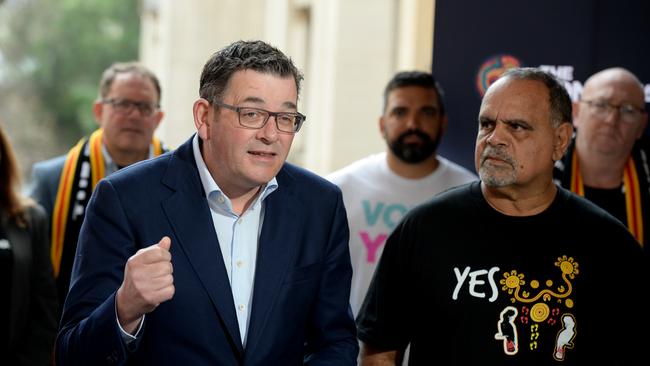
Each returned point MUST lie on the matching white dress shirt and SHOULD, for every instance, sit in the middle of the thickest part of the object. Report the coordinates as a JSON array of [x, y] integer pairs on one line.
[[238, 236]]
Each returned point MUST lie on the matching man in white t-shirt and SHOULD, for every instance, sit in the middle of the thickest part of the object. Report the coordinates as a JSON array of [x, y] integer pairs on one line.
[[379, 189]]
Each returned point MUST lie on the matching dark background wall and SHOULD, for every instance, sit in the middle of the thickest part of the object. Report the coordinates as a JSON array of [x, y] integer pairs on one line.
[[475, 40]]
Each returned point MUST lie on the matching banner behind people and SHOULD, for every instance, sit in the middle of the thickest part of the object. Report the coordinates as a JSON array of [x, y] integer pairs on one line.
[[476, 41]]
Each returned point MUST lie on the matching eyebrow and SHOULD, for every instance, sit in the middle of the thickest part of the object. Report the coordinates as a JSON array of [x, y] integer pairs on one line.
[[406, 105], [257, 100], [517, 121], [514, 121]]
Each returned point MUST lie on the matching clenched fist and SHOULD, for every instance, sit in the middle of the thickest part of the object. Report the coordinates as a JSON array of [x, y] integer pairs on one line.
[[148, 281]]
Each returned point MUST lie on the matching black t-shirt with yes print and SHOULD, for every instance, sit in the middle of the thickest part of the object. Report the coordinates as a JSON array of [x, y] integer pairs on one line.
[[467, 285]]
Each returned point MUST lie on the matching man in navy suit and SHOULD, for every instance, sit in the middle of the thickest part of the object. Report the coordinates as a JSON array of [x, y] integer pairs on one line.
[[219, 253]]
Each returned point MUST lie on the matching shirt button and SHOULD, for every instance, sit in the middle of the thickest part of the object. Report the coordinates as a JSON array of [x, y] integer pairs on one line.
[[239, 221], [239, 264], [241, 307], [220, 199]]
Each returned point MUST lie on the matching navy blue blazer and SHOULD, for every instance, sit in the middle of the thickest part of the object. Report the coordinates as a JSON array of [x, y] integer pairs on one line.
[[300, 310]]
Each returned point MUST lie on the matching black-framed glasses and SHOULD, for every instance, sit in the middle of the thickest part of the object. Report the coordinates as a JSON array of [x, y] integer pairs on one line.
[[602, 109], [125, 106], [256, 118]]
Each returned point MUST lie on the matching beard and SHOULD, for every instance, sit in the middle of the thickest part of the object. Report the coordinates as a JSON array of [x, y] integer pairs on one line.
[[411, 153], [497, 175]]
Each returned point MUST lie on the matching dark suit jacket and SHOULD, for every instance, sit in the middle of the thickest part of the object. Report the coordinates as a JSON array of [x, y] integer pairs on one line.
[[302, 280], [32, 325], [45, 182]]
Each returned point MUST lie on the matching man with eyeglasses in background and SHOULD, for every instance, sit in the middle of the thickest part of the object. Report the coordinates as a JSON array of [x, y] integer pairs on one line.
[[608, 160], [510, 270], [127, 111], [219, 253]]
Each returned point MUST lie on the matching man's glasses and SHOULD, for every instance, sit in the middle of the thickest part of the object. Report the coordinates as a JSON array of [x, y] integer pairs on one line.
[[256, 118], [125, 106], [602, 109]]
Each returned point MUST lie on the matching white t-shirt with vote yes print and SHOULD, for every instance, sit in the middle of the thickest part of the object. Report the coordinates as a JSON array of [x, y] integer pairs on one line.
[[376, 199]]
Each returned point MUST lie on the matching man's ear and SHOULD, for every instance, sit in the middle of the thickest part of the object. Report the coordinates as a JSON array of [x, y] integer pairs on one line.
[[98, 110], [575, 112], [382, 126], [444, 121], [561, 140], [643, 125], [202, 117], [159, 116]]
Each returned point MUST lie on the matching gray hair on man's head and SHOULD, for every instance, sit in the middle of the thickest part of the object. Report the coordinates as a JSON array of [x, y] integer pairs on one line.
[[126, 68], [559, 100]]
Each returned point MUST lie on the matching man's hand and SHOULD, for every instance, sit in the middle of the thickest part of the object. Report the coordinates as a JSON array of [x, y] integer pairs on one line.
[[148, 282], [374, 357]]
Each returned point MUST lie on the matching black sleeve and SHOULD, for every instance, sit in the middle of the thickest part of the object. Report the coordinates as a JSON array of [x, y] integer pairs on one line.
[[39, 189], [332, 337], [38, 348], [382, 322]]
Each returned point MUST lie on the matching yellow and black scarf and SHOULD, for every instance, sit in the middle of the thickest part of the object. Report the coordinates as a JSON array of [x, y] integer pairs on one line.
[[84, 167], [635, 185]]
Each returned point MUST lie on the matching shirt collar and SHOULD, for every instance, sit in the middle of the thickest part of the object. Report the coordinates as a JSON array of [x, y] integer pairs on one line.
[[109, 164], [208, 183]]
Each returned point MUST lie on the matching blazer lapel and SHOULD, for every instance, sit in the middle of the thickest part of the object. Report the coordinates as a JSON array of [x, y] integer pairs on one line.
[[276, 249], [190, 218]]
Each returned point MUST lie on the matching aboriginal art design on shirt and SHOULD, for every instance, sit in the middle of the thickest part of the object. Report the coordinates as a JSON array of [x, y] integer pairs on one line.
[[538, 306]]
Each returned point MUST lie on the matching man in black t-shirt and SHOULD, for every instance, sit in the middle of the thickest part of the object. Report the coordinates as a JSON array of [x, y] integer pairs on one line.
[[511, 270]]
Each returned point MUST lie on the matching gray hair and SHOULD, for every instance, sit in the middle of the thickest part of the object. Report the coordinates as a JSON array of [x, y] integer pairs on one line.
[[559, 99], [125, 68]]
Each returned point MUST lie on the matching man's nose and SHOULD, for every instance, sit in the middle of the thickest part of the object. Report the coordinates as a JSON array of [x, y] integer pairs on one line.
[[612, 115], [413, 122], [498, 136], [269, 132]]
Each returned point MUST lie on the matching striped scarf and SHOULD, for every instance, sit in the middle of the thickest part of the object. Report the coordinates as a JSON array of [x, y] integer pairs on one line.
[[84, 167]]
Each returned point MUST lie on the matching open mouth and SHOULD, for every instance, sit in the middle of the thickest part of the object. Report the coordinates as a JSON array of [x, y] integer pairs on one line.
[[262, 153]]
